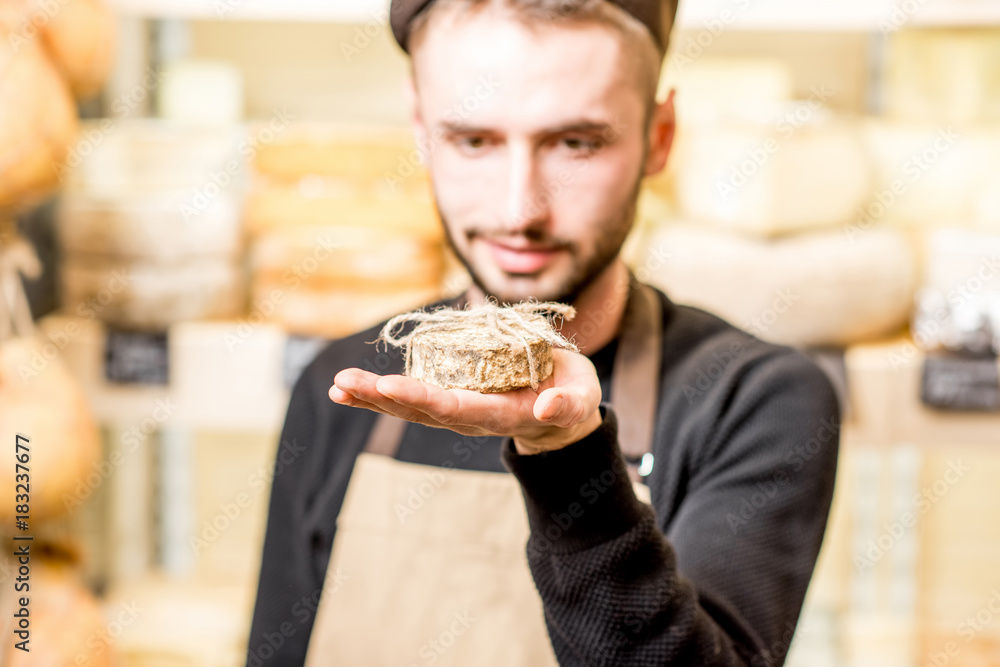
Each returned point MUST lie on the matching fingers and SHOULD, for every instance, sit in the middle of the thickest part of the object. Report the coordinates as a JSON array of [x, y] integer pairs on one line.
[[357, 383], [571, 395], [356, 388], [452, 408], [338, 395]]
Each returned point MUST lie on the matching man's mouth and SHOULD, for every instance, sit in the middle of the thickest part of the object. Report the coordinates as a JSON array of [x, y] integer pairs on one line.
[[520, 256]]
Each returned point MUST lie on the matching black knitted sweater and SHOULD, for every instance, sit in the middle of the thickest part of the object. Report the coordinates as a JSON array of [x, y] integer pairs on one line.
[[715, 573]]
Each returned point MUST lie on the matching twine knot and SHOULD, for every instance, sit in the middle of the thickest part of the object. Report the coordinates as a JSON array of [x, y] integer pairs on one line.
[[512, 325]]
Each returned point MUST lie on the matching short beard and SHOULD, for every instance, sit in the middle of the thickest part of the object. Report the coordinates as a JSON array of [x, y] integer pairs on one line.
[[606, 250]]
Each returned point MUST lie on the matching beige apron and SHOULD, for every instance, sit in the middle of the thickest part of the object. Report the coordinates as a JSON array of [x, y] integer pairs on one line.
[[428, 564]]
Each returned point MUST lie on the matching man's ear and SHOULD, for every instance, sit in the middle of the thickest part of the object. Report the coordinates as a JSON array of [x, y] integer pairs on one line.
[[661, 135]]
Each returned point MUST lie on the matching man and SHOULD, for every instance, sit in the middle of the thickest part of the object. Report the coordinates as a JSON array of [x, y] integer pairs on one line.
[[397, 537]]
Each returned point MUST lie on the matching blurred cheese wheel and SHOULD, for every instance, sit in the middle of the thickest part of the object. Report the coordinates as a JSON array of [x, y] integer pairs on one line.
[[364, 156], [338, 312], [810, 289], [339, 257], [150, 225], [935, 175], [37, 120], [184, 622], [81, 36], [313, 203], [145, 296], [941, 75], [136, 157], [41, 400], [68, 626], [804, 170]]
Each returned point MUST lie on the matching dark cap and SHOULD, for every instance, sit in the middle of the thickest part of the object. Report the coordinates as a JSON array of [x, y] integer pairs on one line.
[[648, 12]]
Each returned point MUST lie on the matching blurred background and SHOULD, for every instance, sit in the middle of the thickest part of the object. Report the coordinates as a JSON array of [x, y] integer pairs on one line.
[[197, 194]]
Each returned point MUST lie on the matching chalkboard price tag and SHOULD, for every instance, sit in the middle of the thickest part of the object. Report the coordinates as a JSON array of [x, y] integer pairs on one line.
[[133, 357]]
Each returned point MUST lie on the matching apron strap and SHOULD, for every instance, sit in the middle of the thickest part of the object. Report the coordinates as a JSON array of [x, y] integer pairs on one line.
[[386, 435], [635, 384]]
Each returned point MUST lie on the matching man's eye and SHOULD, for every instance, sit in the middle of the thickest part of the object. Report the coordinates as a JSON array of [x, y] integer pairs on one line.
[[473, 143], [578, 145]]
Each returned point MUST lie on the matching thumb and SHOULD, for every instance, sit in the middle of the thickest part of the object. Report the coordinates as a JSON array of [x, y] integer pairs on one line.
[[556, 406]]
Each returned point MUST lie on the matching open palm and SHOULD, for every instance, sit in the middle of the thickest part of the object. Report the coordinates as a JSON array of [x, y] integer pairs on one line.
[[562, 411]]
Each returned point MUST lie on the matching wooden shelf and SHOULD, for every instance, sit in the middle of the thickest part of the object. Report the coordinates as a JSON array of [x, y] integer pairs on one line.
[[745, 15]]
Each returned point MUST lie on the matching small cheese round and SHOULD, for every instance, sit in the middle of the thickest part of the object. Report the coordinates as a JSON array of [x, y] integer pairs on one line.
[[477, 359]]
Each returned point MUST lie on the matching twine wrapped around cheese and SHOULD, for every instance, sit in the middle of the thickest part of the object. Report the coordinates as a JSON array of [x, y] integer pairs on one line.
[[488, 348]]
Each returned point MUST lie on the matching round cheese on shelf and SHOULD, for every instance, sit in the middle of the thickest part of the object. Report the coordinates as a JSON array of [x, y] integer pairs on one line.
[[137, 294], [940, 75], [339, 257], [336, 313], [161, 227], [80, 35], [276, 207], [201, 91], [934, 175], [822, 288], [38, 118], [806, 169], [68, 625], [42, 401], [117, 158], [360, 155], [186, 622]]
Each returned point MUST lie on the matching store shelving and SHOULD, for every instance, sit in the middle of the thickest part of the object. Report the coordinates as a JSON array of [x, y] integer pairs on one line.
[[750, 15]]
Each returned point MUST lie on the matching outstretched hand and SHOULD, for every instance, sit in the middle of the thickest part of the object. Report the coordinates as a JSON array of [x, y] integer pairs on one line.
[[563, 411]]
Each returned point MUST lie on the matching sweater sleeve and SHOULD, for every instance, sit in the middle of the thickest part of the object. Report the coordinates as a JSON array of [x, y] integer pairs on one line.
[[719, 585]]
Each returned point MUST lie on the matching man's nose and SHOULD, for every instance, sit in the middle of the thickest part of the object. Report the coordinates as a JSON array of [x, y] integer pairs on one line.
[[528, 204]]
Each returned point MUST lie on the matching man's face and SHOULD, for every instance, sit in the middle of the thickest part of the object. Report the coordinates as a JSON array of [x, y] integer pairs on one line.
[[537, 148]]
